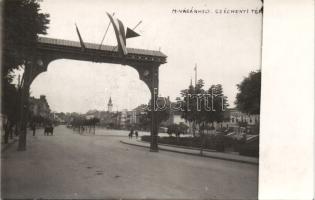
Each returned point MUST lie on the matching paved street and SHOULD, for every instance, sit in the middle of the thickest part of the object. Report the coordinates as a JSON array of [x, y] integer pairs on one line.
[[69, 165]]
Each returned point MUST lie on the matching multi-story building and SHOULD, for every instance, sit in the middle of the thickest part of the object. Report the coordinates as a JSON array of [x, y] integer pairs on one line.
[[136, 113], [123, 122], [238, 118], [39, 107]]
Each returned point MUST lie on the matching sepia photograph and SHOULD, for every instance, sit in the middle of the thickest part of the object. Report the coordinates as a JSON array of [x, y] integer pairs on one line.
[[130, 99]]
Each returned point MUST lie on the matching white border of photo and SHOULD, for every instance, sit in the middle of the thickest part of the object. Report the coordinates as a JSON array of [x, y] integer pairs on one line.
[[286, 168]]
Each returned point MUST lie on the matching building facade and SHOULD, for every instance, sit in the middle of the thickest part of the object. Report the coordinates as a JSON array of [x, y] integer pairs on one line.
[[39, 107], [238, 118]]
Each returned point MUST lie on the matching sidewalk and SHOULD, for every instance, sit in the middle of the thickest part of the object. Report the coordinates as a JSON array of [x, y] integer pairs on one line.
[[10, 142], [196, 152]]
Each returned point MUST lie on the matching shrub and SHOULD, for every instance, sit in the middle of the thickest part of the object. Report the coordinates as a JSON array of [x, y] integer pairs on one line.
[[215, 142]]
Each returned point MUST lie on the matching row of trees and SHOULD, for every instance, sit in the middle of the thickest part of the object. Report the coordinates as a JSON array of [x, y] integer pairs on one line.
[[203, 106], [81, 123], [198, 105], [177, 129], [22, 22]]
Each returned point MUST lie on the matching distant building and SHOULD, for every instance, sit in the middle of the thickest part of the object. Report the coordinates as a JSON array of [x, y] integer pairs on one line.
[[39, 107], [108, 119], [175, 118], [136, 113], [175, 115], [124, 118], [237, 118], [110, 105], [89, 116]]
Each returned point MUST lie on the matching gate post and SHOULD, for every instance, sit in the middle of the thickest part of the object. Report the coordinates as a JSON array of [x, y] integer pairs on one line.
[[154, 88], [149, 74]]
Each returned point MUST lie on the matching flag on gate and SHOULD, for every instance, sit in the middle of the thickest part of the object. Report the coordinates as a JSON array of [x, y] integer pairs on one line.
[[80, 38], [120, 34], [131, 33]]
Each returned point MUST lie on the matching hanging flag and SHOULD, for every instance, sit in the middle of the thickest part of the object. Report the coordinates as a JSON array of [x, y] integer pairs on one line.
[[131, 33], [120, 34], [122, 31], [80, 38]]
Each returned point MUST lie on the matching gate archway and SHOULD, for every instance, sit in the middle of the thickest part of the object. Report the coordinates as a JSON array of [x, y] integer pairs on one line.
[[146, 62]]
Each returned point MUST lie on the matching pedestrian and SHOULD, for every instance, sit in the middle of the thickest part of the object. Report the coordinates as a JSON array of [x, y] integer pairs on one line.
[[131, 134], [33, 128], [136, 133]]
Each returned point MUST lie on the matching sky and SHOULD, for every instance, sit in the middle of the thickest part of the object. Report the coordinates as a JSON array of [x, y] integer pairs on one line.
[[225, 47]]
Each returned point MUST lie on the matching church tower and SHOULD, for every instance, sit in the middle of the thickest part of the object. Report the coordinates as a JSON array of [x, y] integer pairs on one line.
[[110, 105]]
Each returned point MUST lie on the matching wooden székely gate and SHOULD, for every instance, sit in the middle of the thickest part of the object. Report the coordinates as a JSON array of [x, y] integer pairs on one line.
[[146, 62]]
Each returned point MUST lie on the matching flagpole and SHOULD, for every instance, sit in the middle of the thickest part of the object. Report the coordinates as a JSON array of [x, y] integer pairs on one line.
[[80, 38], [105, 33], [195, 75], [137, 25]]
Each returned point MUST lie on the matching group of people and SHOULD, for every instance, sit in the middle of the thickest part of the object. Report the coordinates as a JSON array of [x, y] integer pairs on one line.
[[48, 129], [133, 132]]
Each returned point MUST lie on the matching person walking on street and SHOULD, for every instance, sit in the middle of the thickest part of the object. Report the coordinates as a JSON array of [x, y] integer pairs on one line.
[[33, 128], [131, 134], [136, 133]]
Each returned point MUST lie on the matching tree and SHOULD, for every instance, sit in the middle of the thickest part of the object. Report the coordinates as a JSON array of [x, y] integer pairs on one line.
[[190, 103], [162, 110], [248, 98], [144, 120], [218, 103], [22, 22], [10, 97], [177, 129], [203, 106]]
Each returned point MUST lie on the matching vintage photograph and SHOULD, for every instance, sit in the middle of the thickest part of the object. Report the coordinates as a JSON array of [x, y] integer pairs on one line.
[[130, 99]]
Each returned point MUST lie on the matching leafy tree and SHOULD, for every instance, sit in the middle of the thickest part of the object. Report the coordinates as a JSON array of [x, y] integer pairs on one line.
[[191, 103], [182, 128], [218, 103], [171, 129], [10, 97], [248, 98], [177, 129], [144, 120], [164, 113], [22, 22], [162, 110], [203, 106]]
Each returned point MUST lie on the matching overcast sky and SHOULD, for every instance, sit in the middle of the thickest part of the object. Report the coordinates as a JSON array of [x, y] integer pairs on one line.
[[225, 47]]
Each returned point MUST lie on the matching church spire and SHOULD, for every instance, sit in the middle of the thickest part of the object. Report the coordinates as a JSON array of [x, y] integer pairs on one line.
[[191, 81], [110, 105]]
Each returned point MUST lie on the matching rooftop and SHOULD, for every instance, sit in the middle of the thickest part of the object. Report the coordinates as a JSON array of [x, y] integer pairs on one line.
[[69, 43]]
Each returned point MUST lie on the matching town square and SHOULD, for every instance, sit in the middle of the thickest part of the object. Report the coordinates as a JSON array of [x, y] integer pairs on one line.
[[114, 100]]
